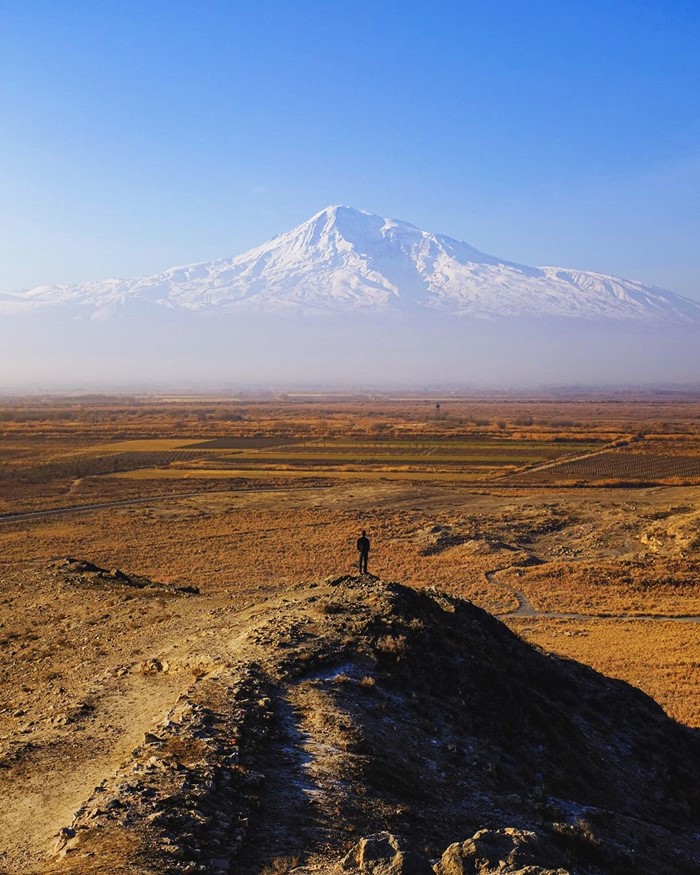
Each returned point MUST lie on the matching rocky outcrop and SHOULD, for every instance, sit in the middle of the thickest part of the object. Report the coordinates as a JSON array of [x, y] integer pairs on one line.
[[385, 854], [81, 572], [502, 852], [489, 852], [183, 795]]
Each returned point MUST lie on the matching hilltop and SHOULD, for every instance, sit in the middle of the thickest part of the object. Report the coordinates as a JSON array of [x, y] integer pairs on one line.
[[319, 717]]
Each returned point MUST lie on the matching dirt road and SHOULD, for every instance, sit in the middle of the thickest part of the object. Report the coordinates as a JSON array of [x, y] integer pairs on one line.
[[526, 608]]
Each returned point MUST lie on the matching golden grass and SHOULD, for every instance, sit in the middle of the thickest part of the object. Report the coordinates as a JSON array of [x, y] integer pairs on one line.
[[237, 546], [662, 658], [663, 586], [241, 546], [261, 526], [149, 445]]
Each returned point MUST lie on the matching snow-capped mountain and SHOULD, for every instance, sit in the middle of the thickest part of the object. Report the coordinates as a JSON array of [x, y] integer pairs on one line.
[[343, 259]]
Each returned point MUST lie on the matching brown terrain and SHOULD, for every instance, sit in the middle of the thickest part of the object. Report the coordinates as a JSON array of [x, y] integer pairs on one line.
[[195, 680]]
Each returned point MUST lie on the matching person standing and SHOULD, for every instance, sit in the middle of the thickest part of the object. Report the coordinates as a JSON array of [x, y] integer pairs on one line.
[[363, 550]]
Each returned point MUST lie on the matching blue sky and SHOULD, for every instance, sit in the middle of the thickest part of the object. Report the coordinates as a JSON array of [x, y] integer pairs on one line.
[[140, 135]]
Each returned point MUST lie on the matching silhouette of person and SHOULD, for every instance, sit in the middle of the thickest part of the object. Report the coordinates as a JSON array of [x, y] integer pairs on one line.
[[363, 549]]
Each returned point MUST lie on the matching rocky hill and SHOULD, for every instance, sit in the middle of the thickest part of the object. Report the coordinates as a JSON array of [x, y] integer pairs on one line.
[[357, 725]]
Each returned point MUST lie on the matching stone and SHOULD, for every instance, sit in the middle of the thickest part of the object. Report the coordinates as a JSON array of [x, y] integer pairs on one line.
[[385, 854], [151, 666], [65, 835], [501, 852], [174, 851]]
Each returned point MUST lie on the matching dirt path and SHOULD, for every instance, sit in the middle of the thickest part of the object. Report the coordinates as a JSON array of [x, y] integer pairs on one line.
[[59, 772], [84, 508], [524, 609], [527, 609], [125, 502]]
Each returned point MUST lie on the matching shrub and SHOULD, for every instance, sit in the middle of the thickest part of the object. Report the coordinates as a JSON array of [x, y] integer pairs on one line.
[[390, 644], [281, 865]]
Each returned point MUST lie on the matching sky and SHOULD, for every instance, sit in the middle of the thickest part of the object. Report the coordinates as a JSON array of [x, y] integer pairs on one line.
[[140, 135]]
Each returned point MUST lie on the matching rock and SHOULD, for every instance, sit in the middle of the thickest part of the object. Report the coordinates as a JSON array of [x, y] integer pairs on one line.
[[152, 666], [174, 851], [501, 852], [65, 835], [221, 864], [74, 564], [385, 854]]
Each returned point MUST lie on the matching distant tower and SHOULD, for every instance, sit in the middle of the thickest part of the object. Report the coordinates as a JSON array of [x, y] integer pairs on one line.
[[437, 410]]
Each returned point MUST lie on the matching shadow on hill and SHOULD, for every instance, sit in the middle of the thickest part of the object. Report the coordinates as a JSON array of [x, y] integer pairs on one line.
[[425, 716], [355, 707]]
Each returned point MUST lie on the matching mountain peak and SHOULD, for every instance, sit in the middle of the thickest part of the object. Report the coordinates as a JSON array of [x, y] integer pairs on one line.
[[334, 209], [353, 220], [344, 259]]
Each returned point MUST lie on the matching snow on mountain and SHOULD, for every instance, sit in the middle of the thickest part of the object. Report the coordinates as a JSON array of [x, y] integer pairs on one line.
[[343, 259]]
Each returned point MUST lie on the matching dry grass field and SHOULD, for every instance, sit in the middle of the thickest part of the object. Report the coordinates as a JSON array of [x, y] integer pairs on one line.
[[514, 504], [624, 650]]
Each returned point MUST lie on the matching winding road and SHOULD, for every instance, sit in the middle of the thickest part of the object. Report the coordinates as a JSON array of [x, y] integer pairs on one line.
[[527, 609]]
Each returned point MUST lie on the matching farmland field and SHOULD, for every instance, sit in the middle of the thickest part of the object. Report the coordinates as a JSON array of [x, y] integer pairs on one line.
[[462, 458], [622, 465], [576, 520]]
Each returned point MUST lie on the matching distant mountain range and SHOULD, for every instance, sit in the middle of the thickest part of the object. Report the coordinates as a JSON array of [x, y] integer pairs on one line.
[[343, 260]]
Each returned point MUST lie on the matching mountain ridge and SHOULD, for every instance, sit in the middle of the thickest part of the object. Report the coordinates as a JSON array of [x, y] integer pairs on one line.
[[343, 260]]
